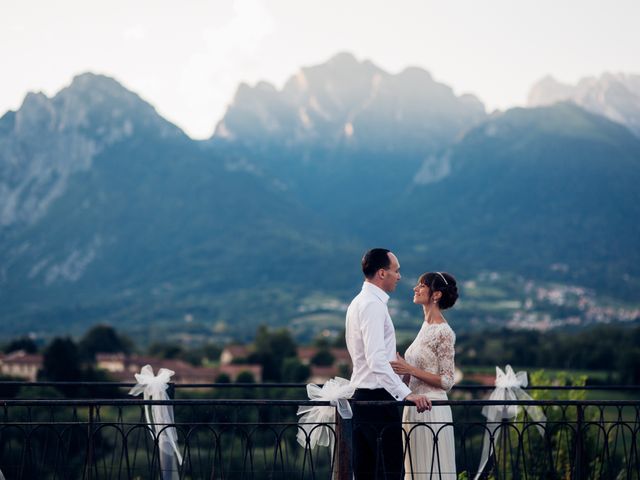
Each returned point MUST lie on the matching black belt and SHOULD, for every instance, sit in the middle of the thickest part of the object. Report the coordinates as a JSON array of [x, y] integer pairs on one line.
[[372, 394]]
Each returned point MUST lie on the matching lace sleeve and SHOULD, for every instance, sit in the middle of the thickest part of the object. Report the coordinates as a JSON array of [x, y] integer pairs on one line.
[[446, 352]]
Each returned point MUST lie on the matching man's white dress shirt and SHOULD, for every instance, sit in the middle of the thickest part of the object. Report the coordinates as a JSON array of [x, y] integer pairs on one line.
[[371, 341]]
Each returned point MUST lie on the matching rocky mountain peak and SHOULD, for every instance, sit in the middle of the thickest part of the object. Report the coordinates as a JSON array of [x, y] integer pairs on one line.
[[332, 100], [614, 96], [35, 114], [547, 91], [107, 105], [416, 74], [49, 139], [343, 60]]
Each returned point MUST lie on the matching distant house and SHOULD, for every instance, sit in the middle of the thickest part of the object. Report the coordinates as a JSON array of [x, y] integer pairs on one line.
[[234, 352], [305, 354], [123, 368], [341, 355], [342, 360], [20, 364], [111, 362]]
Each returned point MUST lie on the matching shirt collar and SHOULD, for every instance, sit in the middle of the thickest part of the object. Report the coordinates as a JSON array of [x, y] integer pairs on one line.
[[377, 291]]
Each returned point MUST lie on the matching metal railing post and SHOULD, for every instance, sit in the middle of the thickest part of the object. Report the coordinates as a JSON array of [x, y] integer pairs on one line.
[[344, 445], [579, 472], [89, 458], [506, 454], [166, 458]]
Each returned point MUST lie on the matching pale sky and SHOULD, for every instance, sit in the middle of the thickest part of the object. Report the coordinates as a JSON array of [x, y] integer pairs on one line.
[[187, 57]]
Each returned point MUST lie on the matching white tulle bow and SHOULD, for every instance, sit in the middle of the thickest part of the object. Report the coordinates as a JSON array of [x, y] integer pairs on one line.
[[315, 420], [509, 386], [160, 417]]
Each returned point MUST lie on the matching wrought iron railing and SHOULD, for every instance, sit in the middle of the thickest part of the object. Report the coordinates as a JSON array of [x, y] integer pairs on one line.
[[256, 438]]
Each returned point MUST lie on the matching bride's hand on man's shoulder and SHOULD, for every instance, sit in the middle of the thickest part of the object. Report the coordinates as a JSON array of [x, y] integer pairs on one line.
[[400, 365]]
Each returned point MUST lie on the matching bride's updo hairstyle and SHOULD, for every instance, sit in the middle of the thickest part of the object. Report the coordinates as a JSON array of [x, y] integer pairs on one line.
[[441, 282]]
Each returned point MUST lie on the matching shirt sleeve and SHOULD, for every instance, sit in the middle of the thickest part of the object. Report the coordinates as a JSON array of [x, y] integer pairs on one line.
[[373, 317], [445, 353]]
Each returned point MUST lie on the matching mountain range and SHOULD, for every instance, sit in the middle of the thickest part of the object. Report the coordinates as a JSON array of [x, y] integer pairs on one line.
[[615, 96], [108, 212]]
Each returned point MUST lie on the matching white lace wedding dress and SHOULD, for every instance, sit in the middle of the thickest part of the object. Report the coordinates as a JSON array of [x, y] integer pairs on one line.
[[432, 351]]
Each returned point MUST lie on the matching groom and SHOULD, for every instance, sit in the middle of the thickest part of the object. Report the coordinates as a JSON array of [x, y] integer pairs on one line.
[[371, 343]]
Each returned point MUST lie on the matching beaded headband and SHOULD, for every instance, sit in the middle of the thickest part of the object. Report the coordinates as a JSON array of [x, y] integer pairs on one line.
[[445, 280]]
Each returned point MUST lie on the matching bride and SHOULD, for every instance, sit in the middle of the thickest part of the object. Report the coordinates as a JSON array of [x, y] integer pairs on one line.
[[428, 370]]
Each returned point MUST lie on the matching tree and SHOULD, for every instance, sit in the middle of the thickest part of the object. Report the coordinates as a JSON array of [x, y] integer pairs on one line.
[[272, 348], [321, 342], [294, 371], [23, 343], [323, 358], [245, 377], [8, 391], [103, 339], [165, 350], [629, 366], [61, 361], [211, 352]]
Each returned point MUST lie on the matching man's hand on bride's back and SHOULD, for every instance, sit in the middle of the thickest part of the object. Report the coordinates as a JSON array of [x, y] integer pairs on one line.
[[422, 402]]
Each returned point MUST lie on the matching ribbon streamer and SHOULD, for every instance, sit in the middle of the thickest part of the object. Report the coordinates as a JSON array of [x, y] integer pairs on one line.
[[509, 386], [159, 417], [314, 420]]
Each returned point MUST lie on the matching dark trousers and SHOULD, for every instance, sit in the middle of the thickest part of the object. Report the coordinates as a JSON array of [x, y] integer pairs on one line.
[[377, 438]]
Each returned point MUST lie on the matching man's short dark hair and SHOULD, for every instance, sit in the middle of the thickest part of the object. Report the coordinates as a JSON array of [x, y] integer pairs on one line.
[[374, 260]]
